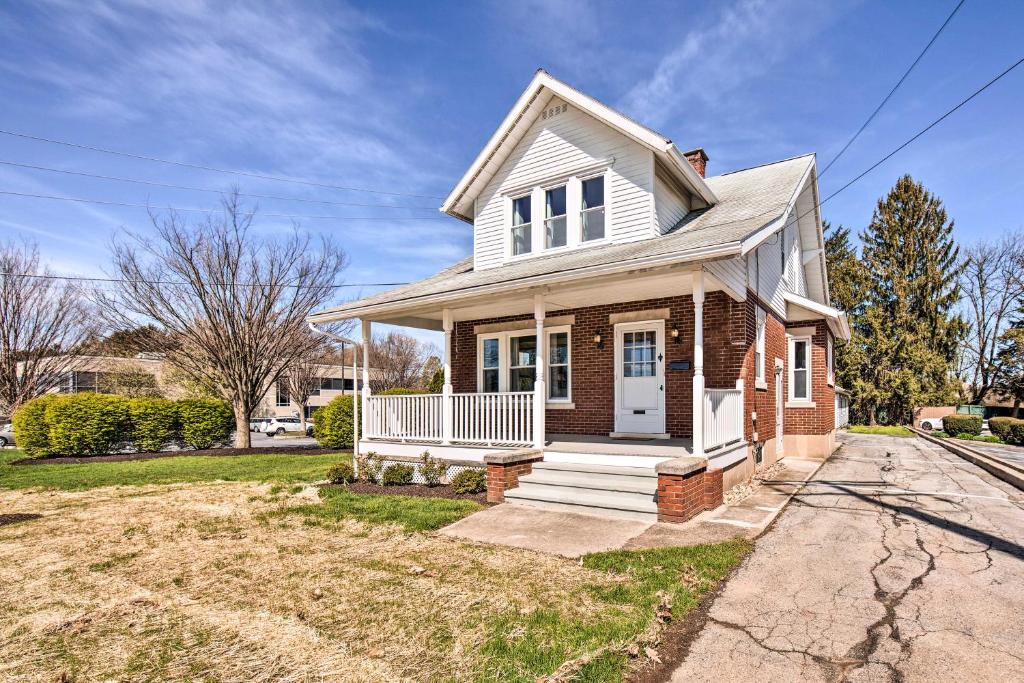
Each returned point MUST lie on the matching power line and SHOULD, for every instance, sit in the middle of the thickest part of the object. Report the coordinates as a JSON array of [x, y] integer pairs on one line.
[[174, 208], [214, 169], [206, 189], [83, 278], [894, 88]]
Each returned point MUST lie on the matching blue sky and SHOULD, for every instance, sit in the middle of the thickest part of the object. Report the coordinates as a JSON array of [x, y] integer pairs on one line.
[[401, 96]]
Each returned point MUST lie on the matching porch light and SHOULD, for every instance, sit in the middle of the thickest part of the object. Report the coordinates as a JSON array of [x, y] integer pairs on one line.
[[675, 334], [597, 340]]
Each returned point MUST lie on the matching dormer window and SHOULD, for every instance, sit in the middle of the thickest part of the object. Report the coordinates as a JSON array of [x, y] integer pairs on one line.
[[592, 211], [522, 232], [554, 224]]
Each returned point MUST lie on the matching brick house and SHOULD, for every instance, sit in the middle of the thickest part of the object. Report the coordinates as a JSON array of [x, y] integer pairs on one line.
[[629, 336]]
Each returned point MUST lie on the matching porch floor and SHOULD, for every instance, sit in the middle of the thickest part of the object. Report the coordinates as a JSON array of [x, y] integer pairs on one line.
[[606, 445]]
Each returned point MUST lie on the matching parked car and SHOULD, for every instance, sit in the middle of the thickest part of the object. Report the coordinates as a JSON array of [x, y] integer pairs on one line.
[[932, 423], [277, 426], [6, 435], [258, 424]]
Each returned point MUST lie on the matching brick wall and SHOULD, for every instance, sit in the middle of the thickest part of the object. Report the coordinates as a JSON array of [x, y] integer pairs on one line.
[[728, 334], [758, 399], [821, 418]]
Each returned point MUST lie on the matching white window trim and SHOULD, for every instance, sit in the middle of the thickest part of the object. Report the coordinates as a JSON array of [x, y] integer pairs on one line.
[[509, 225], [791, 399], [760, 332], [565, 215], [830, 359], [606, 206], [504, 366]]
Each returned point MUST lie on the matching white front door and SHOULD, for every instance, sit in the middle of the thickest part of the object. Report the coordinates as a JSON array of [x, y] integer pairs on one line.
[[640, 377]]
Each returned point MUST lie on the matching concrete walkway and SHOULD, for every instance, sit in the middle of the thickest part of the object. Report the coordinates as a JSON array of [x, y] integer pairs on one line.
[[899, 561], [573, 535], [1011, 455]]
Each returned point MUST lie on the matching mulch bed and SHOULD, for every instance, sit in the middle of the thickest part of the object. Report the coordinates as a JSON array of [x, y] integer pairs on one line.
[[15, 517], [421, 490], [125, 457]]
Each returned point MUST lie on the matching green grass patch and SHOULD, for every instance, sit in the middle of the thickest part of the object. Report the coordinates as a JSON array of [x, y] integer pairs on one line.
[[529, 647], [112, 562], [880, 430], [412, 512], [280, 468]]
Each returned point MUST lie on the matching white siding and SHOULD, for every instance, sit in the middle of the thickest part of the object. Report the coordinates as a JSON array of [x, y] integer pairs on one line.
[[764, 272], [796, 280], [731, 273], [557, 146], [670, 208]]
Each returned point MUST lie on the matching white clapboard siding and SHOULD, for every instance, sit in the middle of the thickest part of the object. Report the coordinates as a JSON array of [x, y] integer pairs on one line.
[[730, 272], [560, 145], [670, 208], [769, 283]]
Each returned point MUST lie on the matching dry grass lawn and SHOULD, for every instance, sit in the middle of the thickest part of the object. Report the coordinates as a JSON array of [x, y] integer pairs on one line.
[[199, 582]]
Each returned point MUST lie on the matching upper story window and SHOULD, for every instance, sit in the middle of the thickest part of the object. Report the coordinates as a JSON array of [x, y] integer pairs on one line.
[[592, 210], [554, 224], [522, 232]]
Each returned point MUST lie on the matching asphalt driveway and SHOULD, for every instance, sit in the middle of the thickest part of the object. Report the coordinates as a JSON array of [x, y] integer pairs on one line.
[[897, 562]]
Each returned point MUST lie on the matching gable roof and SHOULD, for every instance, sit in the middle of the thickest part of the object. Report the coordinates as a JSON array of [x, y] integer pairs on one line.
[[527, 108], [752, 204]]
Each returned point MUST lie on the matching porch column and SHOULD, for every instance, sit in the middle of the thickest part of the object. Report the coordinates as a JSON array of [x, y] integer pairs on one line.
[[367, 338], [446, 393], [540, 392], [698, 363]]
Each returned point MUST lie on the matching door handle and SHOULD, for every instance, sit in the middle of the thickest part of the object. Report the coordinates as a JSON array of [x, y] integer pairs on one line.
[[661, 388], [659, 357]]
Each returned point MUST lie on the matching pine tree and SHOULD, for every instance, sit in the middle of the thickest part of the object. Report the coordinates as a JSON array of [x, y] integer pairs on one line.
[[911, 332], [847, 280], [1011, 358]]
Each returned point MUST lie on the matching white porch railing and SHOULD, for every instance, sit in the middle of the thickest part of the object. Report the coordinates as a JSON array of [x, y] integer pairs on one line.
[[416, 417], [489, 419], [723, 417]]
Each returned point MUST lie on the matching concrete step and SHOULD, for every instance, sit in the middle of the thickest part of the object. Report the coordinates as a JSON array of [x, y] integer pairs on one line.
[[591, 480], [530, 489], [586, 501], [646, 472]]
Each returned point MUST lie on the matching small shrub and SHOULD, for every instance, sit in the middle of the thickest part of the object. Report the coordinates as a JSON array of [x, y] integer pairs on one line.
[[154, 423], [1017, 433], [469, 481], [31, 432], [432, 469], [1002, 427], [370, 467], [397, 475], [205, 422], [965, 436], [332, 424], [88, 424], [988, 438], [961, 424], [342, 473]]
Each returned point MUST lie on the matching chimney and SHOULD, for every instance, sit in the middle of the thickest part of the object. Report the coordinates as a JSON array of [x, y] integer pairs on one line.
[[698, 159]]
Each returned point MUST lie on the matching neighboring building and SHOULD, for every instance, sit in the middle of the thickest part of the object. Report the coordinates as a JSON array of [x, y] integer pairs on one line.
[[102, 373], [620, 309]]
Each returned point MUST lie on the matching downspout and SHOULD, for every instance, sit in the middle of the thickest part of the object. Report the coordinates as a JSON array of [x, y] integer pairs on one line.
[[355, 383]]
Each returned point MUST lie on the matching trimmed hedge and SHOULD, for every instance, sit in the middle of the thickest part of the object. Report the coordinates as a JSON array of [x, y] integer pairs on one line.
[[402, 391], [154, 423], [205, 422], [962, 424], [397, 475], [1017, 433], [1005, 428], [342, 473], [332, 424], [88, 424], [469, 481], [31, 432]]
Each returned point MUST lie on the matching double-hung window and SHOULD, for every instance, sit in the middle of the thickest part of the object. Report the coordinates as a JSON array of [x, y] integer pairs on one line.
[[508, 362], [283, 399], [800, 369], [522, 232], [554, 222], [759, 346], [592, 209]]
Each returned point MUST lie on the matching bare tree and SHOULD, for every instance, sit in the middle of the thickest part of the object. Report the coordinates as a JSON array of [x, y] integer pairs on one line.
[[44, 323], [233, 304], [302, 379], [992, 286], [399, 361]]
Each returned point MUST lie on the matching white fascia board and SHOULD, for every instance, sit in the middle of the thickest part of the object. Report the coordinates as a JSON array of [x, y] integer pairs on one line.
[[418, 302], [837, 319], [753, 241]]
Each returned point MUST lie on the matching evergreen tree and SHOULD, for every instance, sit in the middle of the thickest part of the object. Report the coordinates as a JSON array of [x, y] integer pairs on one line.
[[1011, 358], [911, 333], [847, 280]]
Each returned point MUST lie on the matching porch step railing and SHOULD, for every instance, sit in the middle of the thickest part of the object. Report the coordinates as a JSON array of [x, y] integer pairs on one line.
[[491, 419], [416, 417], [723, 417]]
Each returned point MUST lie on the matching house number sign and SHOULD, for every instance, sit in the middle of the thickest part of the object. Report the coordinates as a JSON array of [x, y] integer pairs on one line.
[[554, 111]]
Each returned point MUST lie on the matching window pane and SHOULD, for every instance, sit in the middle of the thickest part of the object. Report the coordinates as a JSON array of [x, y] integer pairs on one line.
[[555, 202], [560, 382], [521, 379], [799, 384], [491, 353], [593, 224], [521, 210], [554, 232], [559, 348], [522, 239], [800, 355], [593, 192], [490, 381], [523, 351]]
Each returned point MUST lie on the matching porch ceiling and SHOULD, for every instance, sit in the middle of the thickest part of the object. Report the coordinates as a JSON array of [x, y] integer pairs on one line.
[[633, 286]]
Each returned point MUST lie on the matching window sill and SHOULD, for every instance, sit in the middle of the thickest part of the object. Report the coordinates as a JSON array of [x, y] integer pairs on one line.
[[801, 404], [559, 405], [761, 385]]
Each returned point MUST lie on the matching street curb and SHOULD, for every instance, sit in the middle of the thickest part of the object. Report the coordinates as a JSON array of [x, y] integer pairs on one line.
[[997, 469]]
